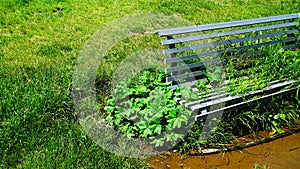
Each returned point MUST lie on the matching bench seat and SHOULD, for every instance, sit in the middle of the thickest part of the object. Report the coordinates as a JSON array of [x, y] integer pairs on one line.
[[192, 49]]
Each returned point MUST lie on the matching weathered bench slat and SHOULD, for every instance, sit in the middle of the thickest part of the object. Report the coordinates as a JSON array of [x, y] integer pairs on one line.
[[229, 41], [221, 34], [199, 28], [247, 103]]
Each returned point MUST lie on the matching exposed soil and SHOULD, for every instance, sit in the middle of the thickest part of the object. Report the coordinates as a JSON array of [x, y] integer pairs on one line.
[[282, 153]]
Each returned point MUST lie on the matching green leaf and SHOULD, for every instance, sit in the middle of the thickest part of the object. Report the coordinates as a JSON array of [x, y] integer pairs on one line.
[[194, 96], [214, 77], [174, 136], [110, 102], [184, 117], [141, 125], [109, 109], [177, 123], [171, 121], [185, 92], [201, 84], [158, 142], [280, 116], [172, 114], [156, 120], [118, 119], [218, 70], [158, 129], [170, 136], [147, 132]]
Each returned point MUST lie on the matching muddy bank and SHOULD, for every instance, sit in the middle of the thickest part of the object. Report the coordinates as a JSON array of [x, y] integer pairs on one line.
[[281, 153]]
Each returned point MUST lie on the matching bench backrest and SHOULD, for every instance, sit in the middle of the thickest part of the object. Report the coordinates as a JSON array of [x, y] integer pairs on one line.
[[191, 48]]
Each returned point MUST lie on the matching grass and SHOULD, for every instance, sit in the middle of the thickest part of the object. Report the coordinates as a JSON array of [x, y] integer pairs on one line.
[[258, 166], [39, 44]]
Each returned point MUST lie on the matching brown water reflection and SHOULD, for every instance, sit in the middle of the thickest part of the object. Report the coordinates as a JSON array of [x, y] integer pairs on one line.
[[282, 153]]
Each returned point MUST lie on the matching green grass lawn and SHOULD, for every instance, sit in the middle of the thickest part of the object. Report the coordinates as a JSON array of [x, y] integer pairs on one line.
[[39, 44]]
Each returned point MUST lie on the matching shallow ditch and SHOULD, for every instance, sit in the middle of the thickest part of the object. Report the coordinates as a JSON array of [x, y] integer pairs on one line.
[[282, 152]]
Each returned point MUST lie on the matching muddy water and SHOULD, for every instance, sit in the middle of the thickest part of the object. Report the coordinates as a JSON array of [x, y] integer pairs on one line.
[[282, 153]]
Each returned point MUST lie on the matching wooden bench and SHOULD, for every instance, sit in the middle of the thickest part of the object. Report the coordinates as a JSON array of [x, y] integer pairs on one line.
[[192, 48]]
